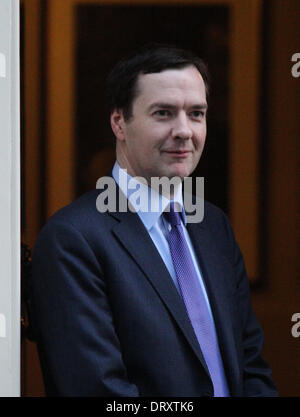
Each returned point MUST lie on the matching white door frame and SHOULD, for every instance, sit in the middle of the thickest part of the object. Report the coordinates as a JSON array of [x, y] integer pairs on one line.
[[9, 199]]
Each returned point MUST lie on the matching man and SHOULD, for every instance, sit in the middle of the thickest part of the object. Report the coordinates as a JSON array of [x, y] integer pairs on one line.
[[142, 303]]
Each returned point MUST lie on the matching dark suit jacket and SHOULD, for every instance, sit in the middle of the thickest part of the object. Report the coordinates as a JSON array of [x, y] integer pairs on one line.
[[110, 322]]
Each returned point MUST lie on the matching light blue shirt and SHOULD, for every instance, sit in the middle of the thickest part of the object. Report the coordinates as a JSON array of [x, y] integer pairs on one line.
[[156, 224]]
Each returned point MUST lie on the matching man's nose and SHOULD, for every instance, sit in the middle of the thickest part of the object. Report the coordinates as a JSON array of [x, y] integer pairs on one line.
[[181, 128]]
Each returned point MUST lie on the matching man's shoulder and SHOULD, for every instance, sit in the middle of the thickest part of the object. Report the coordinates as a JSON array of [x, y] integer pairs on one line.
[[82, 213], [82, 204], [213, 213], [217, 222]]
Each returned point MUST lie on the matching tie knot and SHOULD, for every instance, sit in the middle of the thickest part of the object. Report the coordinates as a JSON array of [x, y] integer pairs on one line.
[[172, 216]]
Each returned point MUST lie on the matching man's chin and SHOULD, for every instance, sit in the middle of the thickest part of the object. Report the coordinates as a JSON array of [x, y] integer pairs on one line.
[[171, 172], [181, 172]]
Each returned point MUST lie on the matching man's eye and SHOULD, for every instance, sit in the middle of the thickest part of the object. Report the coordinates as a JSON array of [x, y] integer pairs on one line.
[[198, 114], [162, 113]]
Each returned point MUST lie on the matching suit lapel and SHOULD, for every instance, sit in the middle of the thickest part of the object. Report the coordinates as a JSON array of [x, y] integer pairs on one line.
[[135, 239], [217, 273]]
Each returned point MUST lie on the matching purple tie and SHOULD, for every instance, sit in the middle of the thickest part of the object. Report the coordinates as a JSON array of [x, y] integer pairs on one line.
[[195, 302]]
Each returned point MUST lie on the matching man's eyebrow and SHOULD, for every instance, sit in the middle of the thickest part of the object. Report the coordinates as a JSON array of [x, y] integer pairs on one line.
[[201, 106], [166, 105], [162, 104]]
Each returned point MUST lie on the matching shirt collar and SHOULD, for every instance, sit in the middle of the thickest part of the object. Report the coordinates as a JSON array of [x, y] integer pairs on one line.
[[150, 204]]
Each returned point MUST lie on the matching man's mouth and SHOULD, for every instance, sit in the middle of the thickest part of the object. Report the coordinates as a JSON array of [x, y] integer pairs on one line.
[[180, 153]]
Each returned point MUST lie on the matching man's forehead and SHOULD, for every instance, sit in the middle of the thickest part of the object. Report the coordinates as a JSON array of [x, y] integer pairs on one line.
[[186, 79]]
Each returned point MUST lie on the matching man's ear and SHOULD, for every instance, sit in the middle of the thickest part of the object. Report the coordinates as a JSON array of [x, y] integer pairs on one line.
[[117, 122]]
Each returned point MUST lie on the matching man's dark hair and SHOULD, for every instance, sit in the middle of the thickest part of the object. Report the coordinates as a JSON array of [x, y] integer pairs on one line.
[[152, 58]]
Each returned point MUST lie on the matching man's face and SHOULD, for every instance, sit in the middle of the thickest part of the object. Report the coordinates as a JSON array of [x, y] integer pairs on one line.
[[166, 134]]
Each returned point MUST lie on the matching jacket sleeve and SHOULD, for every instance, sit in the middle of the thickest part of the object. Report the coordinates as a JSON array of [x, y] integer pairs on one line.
[[78, 347], [257, 376]]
